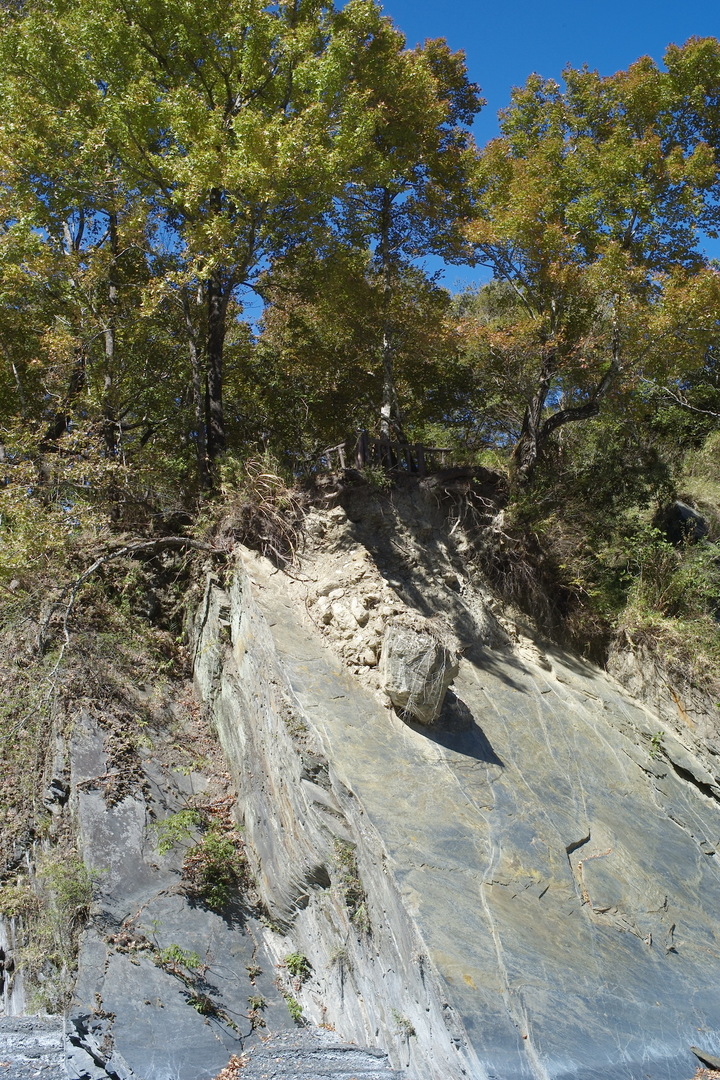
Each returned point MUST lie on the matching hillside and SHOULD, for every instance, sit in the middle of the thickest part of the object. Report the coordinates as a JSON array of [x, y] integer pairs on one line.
[[526, 886]]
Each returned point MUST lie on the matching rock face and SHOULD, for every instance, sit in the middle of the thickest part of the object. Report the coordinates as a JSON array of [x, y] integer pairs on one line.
[[314, 1055], [12, 996], [416, 670], [681, 523], [139, 1017], [32, 1047], [527, 888], [320, 860]]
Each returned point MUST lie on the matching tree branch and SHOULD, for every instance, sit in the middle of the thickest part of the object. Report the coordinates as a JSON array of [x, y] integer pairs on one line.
[[681, 401], [137, 547]]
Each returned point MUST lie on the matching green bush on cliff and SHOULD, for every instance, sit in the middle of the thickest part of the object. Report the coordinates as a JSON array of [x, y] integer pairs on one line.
[[63, 888], [215, 870]]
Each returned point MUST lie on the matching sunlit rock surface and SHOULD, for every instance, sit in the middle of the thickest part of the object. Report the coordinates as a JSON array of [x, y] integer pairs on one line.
[[416, 670], [539, 867]]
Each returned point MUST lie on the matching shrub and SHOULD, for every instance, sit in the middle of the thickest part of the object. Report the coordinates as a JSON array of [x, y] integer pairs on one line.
[[351, 885], [177, 961], [64, 888], [294, 1008], [215, 870], [175, 829], [298, 965]]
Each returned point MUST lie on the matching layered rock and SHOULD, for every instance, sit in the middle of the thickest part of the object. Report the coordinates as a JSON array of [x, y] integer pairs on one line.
[[526, 888]]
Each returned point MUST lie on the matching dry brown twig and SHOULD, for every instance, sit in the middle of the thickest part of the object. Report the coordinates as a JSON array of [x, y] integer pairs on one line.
[[265, 514], [233, 1067], [145, 547]]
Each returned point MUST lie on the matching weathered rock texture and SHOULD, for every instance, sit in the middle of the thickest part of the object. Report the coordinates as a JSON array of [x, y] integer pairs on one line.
[[416, 670], [139, 1012], [137, 1016], [12, 991], [527, 888], [314, 1055], [32, 1047]]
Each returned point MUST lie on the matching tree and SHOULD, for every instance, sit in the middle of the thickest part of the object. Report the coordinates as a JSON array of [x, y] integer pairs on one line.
[[232, 125], [410, 195], [588, 208], [315, 366]]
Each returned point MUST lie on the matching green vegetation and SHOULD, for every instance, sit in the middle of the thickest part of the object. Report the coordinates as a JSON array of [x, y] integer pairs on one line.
[[351, 885], [294, 1008], [163, 161], [186, 966], [177, 960], [656, 744], [54, 909], [176, 829], [298, 965], [215, 870], [403, 1026]]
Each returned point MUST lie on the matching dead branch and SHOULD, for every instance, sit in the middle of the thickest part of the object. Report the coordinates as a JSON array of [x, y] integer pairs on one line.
[[136, 547], [681, 400]]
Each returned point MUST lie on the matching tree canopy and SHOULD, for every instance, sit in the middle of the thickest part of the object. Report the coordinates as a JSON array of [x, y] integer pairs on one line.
[[168, 170], [216, 222], [590, 208]]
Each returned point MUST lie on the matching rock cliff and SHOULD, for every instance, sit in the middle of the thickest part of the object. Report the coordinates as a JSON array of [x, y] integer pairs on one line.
[[525, 887]]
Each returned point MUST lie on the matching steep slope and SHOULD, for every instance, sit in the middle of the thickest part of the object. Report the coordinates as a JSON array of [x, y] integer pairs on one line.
[[527, 888]]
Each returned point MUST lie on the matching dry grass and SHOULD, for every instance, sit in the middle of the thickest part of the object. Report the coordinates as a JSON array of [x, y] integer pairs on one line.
[[261, 511], [233, 1069]]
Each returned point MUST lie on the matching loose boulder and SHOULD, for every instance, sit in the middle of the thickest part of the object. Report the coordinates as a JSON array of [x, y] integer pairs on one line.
[[416, 670], [681, 523]]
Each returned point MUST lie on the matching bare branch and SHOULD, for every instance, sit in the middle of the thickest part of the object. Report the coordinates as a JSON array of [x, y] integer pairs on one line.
[[680, 400], [137, 547]]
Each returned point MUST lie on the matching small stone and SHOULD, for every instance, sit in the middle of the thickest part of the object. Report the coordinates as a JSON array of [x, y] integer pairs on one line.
[[368, 658], [323, 610], [388, 610], [359, 611], [336, 594], [343, 618]]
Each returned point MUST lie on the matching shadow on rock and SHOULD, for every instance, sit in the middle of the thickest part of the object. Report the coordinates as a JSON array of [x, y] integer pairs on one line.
[[456, 730], [497, 662], [234, 912]]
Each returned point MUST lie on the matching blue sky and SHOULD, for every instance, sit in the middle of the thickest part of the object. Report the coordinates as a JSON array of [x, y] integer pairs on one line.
[[508, 39]]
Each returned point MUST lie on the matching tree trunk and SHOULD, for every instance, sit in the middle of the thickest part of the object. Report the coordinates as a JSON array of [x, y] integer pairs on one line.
[[61, 421], [60, 424], [217, 302], [536, 431], [529, 445], [109, 419], [389, 411], [200, 433]]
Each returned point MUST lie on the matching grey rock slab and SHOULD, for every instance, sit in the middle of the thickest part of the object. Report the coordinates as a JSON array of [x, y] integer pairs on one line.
[[306, 1055], [160, 1035], [32, 1047], [547, 880], [138, 1019]]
